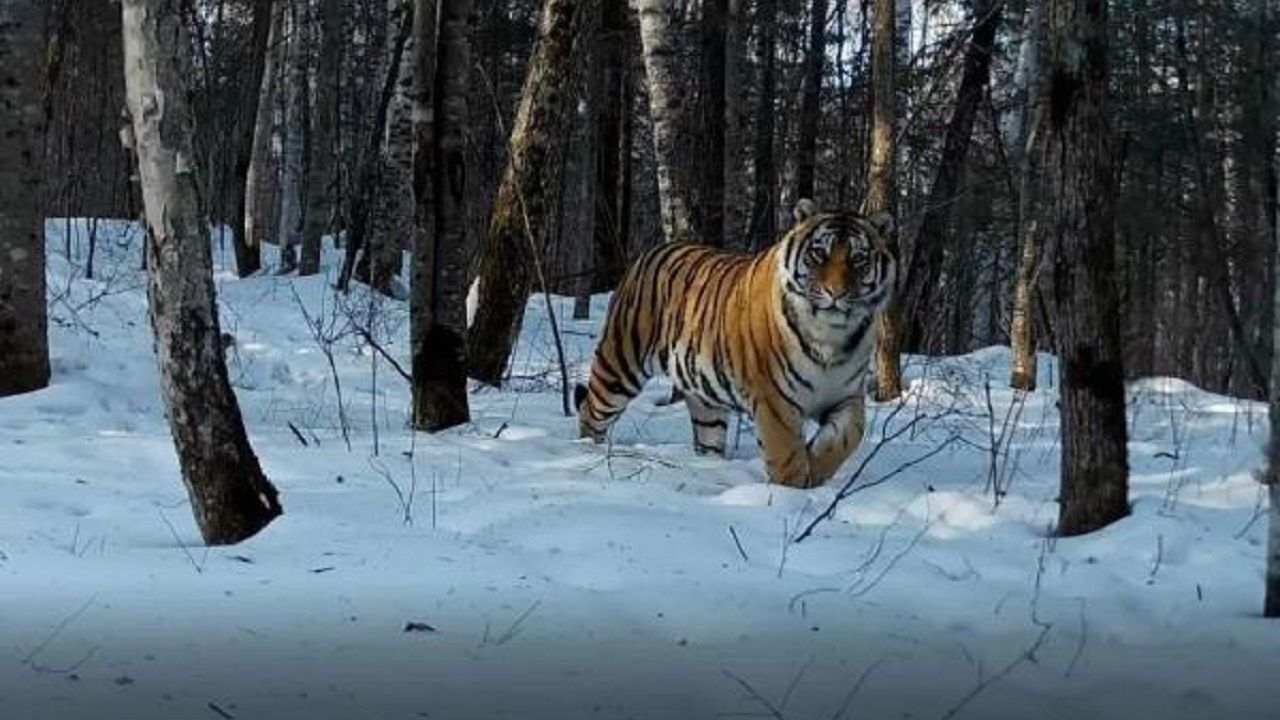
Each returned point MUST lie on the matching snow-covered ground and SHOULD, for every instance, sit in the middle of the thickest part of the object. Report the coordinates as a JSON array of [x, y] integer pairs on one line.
[[507, 570]]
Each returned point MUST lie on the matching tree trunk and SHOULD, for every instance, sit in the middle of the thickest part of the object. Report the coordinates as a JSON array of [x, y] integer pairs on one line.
[[714, 26], [1028, 126], [293, 146], [1271, 602], [925, 268], [882, 191], [392, 212], [666, 104], [1078, 196], [736, 190], [247, 247], [438, 319], [257, 213], [763, 210], [511, 255], [811, 104], [24, 343], [322, 176], [231, 498], [611, 207]]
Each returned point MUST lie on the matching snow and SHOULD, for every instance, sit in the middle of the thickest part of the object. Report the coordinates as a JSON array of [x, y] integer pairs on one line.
[[553, 578]]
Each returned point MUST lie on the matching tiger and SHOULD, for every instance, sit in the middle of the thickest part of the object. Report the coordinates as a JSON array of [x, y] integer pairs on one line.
[[786, 335]]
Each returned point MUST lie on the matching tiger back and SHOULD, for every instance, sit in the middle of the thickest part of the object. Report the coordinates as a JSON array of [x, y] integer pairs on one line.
[[785, 335]]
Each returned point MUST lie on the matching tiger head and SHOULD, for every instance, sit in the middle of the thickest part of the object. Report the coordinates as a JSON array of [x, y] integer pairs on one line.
[[839, 262]]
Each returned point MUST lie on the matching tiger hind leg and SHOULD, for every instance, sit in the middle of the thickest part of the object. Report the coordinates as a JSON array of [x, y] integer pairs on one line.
[[710, 426], [601, 401]]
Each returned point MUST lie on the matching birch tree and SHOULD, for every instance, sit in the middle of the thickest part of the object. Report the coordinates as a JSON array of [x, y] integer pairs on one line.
[[438, 317], [882, 190], [511, 253], [1078, 195], [230, 496], [1025, 132], [245, 243], [24, 344], [256, 213], [658, 40]]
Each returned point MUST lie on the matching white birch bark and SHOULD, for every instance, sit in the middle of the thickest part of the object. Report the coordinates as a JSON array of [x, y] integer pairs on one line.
[[666, 103]]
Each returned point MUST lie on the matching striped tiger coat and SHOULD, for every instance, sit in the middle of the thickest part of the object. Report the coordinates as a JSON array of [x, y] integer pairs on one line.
[[785, 335]]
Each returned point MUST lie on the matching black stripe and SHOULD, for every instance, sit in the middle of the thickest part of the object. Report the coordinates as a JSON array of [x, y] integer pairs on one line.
[[721, 424]]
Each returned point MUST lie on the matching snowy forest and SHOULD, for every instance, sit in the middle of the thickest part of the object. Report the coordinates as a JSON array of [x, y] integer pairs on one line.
[[639, 359]]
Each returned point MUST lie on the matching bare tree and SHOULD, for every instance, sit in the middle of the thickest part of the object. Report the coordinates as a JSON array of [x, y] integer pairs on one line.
[[715, 19], [230, 496], [1078, 198], [658, 40], [438, 307], [612, 207], [1027, 124], [764, 167], [882, 190], [24, 343], [811, 106], [257, 213], [322, 176], [1271, 602], [511, 253], [293, 144]]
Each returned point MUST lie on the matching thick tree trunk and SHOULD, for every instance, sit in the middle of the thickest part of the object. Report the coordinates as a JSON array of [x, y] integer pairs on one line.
[[438, 320], [666, 104], [247, 247], [24, 343], [810, 105], [258, 213], [925, 268], [714, 26], [322, 175], [293, 146], [882, 191], [1026, 132], [611, 207], [1078, 197], [511, 255], [231, 498], [763, 210]]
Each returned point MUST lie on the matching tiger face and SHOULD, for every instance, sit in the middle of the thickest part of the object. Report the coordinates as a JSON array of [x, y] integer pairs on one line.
[[839, 263]]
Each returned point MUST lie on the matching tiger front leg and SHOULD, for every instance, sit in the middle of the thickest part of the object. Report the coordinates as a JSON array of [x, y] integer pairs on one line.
[[710, 426], [837, 438], [786, 457]]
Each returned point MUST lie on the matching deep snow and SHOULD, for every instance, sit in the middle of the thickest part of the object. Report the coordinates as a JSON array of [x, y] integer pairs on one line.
[[556, 579]]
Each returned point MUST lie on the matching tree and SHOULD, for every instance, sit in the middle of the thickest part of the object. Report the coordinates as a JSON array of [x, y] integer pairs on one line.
[[230, 496], [715, 19], [811, 106], [255, 210], [1027, 123], [666, 104], [882, 190], [293, 145], [1078, 198], [764, 167], [247, 246], [322, 176], [925, 267], [1271, 601], [24, 343], [612, 207], [511, 253], [438, 306]]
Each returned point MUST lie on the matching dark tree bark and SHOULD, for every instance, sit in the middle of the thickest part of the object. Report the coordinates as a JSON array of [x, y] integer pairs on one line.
[[24, 343], [1078, 197], [249, 254], [613, 148], [763, 210], [925, 268], [230, 496], [512, 249], [810, 106], [882, 191], [438, 319], [714, 28], [322, 176]]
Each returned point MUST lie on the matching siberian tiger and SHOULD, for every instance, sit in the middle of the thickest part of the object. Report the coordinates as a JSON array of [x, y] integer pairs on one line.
[[785, 335]]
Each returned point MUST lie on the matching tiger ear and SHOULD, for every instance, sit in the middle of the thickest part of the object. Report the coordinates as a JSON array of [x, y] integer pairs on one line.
[[804, 209], [883, 223]]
